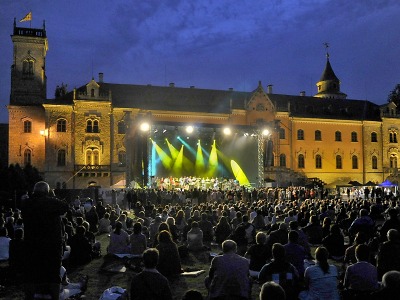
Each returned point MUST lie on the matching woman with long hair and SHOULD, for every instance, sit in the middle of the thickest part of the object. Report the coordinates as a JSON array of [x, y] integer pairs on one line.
[[321, 280], [222, 230], [169, 262]]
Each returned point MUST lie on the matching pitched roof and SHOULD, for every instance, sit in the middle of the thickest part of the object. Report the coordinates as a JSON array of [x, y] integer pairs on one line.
[[178, 99], [174, 98]]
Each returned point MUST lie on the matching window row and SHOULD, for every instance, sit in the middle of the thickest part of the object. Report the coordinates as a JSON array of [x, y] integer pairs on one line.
[[301, 164], [338, 136], [92, 126], [92, 157]]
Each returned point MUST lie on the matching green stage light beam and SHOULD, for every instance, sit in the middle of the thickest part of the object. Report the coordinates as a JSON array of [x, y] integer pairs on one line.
[[188, 147]]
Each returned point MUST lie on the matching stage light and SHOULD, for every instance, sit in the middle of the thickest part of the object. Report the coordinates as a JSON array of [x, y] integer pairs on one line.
[[265, 132], [164, 131], [189, 129], [144, 126], [246, 134], [227, 131], [156, 130]]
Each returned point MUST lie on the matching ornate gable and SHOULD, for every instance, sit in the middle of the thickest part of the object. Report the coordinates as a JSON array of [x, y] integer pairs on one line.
[[260, 107]]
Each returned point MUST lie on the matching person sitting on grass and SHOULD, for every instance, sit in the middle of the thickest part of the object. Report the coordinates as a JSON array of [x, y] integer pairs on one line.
[[105, 224], [150, 284], [169, 263], [195, 238], [119, 240], [81, 249], [272, 291]]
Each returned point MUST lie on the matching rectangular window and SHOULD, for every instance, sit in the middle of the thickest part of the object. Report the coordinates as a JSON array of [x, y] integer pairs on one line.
[[27, 126]]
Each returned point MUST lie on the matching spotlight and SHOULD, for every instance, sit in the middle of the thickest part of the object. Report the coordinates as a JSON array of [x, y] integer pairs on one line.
[[145, 126], [164, 130], [189, 129], [265, 132], [227, 131], [156, 130], [246, 134]]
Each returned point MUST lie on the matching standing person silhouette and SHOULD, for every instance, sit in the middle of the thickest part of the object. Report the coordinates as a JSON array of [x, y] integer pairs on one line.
[[43, 241]]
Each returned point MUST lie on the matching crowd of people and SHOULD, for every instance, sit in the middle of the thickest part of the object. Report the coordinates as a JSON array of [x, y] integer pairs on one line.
[[294, 243]]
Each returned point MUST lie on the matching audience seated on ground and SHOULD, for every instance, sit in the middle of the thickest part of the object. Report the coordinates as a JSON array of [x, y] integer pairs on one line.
[[4, 244], [281, 271], [195, 238], [150, 284], [390, 287], [360, 278], [169, 262], [119, 240], [321, 280], [272, 291], [258, 254]]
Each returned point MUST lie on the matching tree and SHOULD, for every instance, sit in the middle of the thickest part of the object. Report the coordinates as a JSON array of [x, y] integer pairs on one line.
[[394, 95]]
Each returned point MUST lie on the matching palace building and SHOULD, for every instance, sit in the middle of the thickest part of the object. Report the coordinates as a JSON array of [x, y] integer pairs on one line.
[[103, 133]]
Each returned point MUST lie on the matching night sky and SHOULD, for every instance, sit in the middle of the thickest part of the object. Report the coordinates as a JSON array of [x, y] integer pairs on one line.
[[213, 44]]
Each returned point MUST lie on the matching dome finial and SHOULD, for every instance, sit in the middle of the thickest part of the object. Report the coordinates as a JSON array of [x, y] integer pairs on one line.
[[326, 47]]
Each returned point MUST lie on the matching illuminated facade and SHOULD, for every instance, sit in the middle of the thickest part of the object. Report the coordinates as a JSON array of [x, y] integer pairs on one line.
[[91, 136]]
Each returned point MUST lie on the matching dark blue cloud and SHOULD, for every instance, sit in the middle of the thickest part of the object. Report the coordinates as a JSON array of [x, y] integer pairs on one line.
[[214, 44]]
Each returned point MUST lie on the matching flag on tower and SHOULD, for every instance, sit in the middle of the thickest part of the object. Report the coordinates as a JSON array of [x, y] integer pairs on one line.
[[28, 17]]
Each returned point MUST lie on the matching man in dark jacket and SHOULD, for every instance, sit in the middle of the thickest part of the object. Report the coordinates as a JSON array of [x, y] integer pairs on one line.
[[150, 284]]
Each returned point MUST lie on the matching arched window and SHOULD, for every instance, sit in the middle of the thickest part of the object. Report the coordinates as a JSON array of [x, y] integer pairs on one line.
[[27, 67], [282, 133], [374, 162], [89, 126], [300, 134], [393, 137], [354, 162], [338, 162], [354, 136], [27, 157], [301, 163], [122, 158], [121, 127], [318, 161], [92, 126], [318, 135], [61, 161], [96, 126], [27, 126], [374, 137], [393, 161], [61, 125], [92, 157], [282, 160], [338, 136]]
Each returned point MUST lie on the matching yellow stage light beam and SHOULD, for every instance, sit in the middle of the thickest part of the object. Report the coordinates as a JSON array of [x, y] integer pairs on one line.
[[199, 166], [213, 161], [164, 157], [239, 174], [178, 164], [174, 152]]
